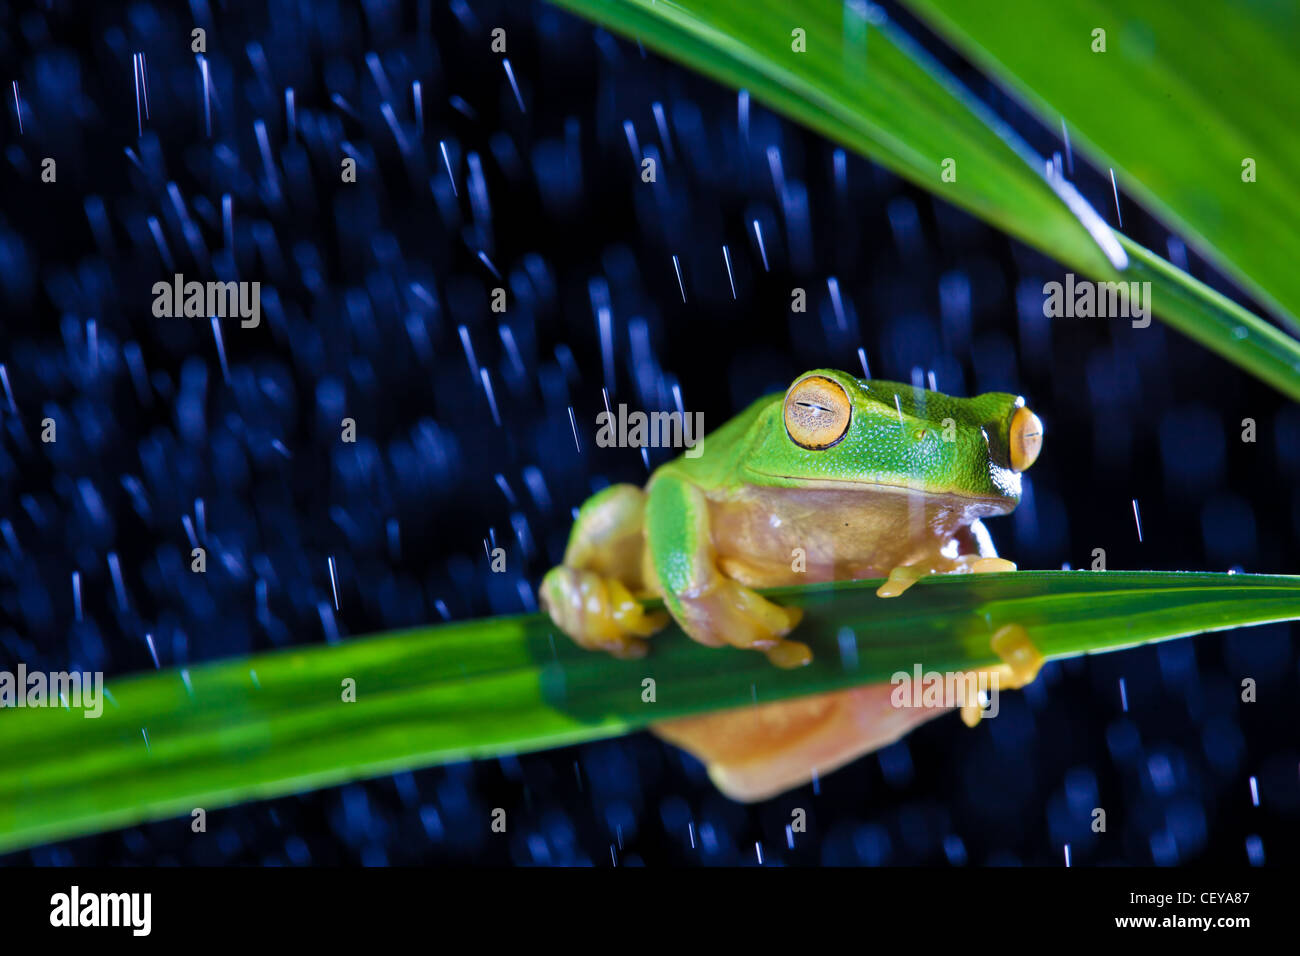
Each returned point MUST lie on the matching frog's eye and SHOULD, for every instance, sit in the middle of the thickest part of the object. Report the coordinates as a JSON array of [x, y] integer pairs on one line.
[[817, 412], [1026, 438]]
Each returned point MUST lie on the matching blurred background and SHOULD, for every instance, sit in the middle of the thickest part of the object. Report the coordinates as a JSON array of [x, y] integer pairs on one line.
[[376, 306]]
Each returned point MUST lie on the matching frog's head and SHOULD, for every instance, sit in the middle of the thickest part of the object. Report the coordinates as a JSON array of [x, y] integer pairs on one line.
[[833, 430]]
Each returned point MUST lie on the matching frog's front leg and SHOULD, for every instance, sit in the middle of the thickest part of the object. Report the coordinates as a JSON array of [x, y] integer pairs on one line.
[[710, 607], [590, 596], [976, 556]]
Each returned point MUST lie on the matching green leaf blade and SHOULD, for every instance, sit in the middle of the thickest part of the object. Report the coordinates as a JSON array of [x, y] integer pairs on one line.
[[882, 96], [1175, 104], [510, 685]]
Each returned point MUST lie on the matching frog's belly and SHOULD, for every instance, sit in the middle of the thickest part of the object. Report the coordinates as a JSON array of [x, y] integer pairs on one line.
[[756, 752], [765, 537]]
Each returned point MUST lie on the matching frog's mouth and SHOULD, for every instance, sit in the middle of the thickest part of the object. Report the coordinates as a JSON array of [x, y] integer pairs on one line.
[[995, 503]]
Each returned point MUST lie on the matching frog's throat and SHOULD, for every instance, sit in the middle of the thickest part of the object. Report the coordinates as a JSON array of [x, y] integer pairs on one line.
[[1000, 504]]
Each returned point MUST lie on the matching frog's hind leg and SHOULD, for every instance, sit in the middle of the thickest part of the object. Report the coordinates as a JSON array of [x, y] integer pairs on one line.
[[591, 595], [753, 753]]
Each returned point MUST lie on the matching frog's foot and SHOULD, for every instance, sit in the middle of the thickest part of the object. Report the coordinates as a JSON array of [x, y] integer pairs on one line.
[[598, 613], [904, 576], [726, 612], [1021, 661], [756, 752]]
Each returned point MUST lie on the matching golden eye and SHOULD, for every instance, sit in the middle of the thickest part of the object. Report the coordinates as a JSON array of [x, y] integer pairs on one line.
[[817, 412], [1026, 438]]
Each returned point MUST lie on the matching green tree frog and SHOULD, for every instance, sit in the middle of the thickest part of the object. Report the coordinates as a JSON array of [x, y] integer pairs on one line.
[[840, 478]]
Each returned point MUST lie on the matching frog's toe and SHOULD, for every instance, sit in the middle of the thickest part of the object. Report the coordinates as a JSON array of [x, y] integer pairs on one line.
[[1020, 657], [598, 613], [978, 564], [788, 655], [900, 579]]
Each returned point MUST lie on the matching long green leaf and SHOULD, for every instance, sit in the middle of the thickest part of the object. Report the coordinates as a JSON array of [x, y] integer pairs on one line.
[[1215, 321], [217, 734], [864, 83], [1183, 94]]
